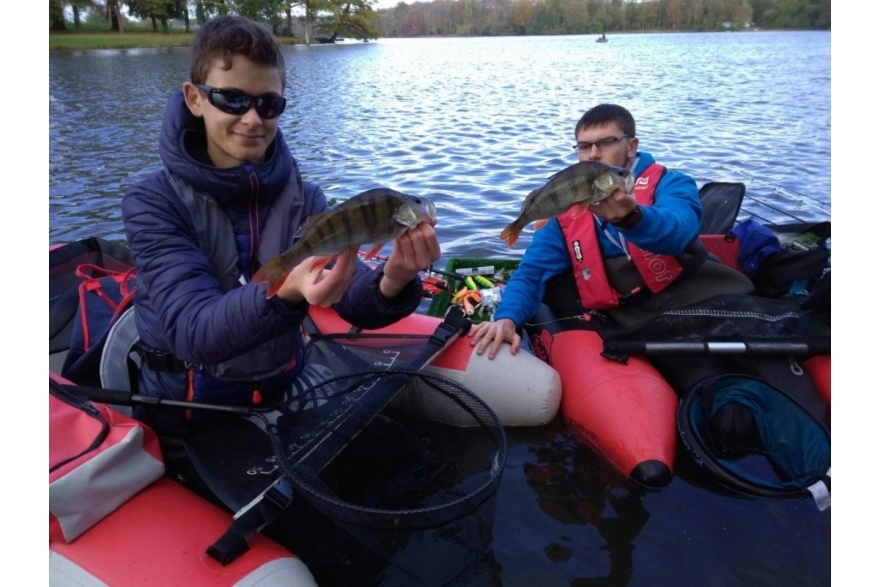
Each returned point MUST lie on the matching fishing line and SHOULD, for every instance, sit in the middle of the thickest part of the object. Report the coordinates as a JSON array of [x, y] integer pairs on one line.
[[786, 192]]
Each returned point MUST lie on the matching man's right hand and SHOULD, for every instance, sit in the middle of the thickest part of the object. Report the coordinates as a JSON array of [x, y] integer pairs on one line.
[[492, 334]]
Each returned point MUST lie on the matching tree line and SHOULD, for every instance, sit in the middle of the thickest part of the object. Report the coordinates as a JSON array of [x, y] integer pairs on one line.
[[360, 19], [560, 17], [330, 19]]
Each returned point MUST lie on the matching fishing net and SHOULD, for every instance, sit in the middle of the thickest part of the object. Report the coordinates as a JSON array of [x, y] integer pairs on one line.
[[757, 439], [372, 471], [410, 475]]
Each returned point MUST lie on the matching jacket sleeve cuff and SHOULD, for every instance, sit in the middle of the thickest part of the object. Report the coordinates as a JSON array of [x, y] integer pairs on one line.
[[297, 312]]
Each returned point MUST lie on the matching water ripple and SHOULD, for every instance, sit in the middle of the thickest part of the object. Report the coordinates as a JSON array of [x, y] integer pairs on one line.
[[474, 123]]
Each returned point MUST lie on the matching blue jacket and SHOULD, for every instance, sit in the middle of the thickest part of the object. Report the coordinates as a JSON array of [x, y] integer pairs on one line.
[[181, 307], [665, 228]]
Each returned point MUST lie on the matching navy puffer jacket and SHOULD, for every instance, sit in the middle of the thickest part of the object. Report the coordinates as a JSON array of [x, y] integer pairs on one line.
[[181, 307]]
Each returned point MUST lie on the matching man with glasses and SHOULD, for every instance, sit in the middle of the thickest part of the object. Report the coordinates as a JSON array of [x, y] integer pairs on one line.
[[229, 199], [635, 256]]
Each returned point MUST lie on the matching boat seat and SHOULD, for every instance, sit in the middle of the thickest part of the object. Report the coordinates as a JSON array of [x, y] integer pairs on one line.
[[721, 202], [119, 363]]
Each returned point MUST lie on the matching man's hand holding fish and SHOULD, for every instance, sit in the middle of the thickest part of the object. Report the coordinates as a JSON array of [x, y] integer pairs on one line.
[[620, 209]]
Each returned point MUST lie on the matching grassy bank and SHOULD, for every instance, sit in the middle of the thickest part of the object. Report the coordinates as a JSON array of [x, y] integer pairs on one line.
[[87, 40]]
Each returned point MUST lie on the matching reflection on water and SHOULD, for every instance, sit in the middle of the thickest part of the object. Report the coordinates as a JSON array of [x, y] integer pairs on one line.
[[575, 486], [565, 519], [475, 124]]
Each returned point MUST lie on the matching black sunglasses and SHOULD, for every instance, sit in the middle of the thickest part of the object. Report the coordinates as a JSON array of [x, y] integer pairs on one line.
[[235, 102]]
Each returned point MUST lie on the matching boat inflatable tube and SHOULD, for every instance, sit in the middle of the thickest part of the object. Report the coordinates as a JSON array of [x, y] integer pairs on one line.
[[520, 389], [624, 411], [819, 370], [114, 519], [160, 536]]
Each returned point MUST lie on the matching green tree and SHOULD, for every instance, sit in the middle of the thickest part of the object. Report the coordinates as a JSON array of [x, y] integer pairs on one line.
[[348, 18], [158, 11], [56, 16], [260, 10], [115, 19]]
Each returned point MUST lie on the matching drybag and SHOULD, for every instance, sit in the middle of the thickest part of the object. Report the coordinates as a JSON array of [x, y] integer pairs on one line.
[[103, 295], [64, 283], [790, 269], [98, 459], [756, 243]]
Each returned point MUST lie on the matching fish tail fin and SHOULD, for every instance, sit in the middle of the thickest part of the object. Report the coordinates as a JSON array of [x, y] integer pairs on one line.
[[270, 274], [511, 234], [320, 262], [374, 250], [274, 287]]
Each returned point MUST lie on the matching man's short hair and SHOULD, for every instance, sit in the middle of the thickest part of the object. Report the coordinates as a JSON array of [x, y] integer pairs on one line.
[[223, 37], [604, 114]]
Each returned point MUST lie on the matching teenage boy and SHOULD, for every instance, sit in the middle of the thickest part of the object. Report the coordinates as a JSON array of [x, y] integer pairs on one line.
[[228, 199]]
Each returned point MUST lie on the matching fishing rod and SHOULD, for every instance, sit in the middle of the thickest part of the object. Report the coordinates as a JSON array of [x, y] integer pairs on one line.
[[805, 199]]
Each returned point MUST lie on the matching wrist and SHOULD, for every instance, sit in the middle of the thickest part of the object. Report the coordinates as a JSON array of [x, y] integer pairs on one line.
[[390, 288], [630, 220]]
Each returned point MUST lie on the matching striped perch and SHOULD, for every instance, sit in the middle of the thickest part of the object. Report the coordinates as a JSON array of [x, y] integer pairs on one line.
[[372, 217]]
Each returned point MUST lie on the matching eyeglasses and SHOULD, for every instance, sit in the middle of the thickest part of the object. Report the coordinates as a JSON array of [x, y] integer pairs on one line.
[[235, 102], [601, 144]]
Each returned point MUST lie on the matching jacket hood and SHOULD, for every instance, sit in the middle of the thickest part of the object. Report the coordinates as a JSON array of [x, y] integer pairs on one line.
[[183, 148]]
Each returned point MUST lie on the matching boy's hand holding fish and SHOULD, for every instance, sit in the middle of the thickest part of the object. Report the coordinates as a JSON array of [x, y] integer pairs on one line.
[[319, 287]]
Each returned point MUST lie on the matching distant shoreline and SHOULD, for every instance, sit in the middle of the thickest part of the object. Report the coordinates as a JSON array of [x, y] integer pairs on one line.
[[89, 41]]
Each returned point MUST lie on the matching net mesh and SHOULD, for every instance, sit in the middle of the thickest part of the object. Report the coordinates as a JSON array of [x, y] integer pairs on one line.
[[407, 463]]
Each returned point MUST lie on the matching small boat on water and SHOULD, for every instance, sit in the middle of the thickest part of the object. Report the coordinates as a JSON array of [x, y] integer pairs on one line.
[[602, 39]]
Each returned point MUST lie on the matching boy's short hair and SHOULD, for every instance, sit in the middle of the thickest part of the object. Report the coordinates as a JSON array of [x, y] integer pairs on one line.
[[604, 114], [223, 37]]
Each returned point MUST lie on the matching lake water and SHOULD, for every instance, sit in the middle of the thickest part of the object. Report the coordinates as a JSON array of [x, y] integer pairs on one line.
[[475, 124]]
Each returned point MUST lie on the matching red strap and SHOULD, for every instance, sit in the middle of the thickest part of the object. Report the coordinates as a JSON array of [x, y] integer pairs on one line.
[[92, 275]]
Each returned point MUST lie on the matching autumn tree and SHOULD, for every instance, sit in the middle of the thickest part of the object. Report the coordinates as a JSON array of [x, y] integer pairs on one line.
[[521, 16], [673, 13]]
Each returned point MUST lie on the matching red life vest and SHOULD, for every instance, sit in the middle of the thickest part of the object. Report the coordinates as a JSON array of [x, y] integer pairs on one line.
[[595, 291]]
